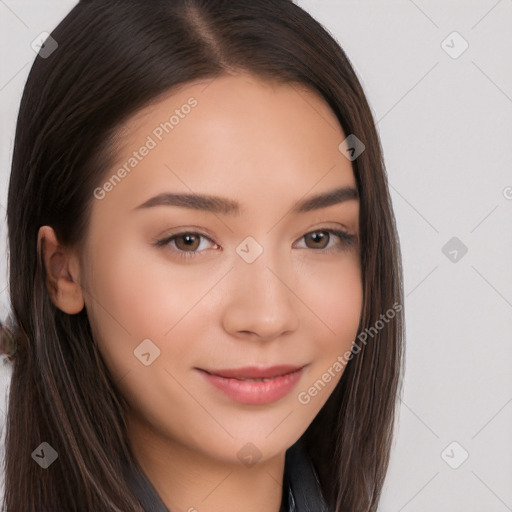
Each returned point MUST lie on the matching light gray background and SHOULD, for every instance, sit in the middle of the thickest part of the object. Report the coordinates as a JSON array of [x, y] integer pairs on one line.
[[445, 125]]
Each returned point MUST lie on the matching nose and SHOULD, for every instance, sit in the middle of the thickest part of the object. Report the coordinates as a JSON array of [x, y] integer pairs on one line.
[[261, 302]]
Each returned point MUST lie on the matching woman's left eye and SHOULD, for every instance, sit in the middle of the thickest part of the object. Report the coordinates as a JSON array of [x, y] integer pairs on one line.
[[319, 235], [187, 243]]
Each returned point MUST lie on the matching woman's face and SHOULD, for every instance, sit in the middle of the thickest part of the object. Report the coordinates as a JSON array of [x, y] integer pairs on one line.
[[177, 286]]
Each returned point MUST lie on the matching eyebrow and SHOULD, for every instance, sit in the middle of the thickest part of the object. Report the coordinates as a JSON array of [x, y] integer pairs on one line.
[[226, 206]]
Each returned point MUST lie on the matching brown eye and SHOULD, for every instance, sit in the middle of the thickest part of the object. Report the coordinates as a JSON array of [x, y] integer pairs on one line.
[[186, 244], [190, 241], [319, 239]]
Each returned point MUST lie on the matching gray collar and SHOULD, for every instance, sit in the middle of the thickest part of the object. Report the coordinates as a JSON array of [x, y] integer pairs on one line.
[[301, 488]]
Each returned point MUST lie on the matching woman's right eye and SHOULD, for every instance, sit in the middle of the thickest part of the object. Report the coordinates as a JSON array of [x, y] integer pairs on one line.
[[185, 243]]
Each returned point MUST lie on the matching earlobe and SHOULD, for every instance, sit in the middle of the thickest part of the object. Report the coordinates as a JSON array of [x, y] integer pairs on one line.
[[61, 272]]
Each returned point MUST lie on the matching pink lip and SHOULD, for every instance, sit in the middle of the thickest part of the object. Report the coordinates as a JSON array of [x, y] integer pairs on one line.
[[282, 379]]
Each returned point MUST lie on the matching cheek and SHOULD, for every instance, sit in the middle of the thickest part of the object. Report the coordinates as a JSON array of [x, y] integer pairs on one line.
[[338, 306], [137, 295], [334, 294]]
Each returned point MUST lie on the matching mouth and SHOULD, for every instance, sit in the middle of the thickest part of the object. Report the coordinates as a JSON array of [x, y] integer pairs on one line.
[[255, 385], [255, 372]]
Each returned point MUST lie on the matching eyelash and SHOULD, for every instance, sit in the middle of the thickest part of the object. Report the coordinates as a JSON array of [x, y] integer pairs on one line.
[[347, 240]]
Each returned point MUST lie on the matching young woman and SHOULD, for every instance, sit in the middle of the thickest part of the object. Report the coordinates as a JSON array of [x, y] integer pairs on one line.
[[205, 273]]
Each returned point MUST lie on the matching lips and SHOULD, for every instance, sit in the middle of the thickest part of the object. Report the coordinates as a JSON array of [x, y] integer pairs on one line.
[[255, 372], [255, 385]]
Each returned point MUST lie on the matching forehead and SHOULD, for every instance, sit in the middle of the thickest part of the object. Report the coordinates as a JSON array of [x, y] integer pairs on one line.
[[236, 136], [261, 116]]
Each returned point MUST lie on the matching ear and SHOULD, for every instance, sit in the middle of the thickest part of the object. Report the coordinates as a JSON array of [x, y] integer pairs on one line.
[[62, 272]]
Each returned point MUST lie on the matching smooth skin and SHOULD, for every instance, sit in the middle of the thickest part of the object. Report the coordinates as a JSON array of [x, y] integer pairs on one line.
[[266, 146]]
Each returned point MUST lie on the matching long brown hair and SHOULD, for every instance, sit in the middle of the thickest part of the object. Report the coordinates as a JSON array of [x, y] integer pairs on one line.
[[113, 58]]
